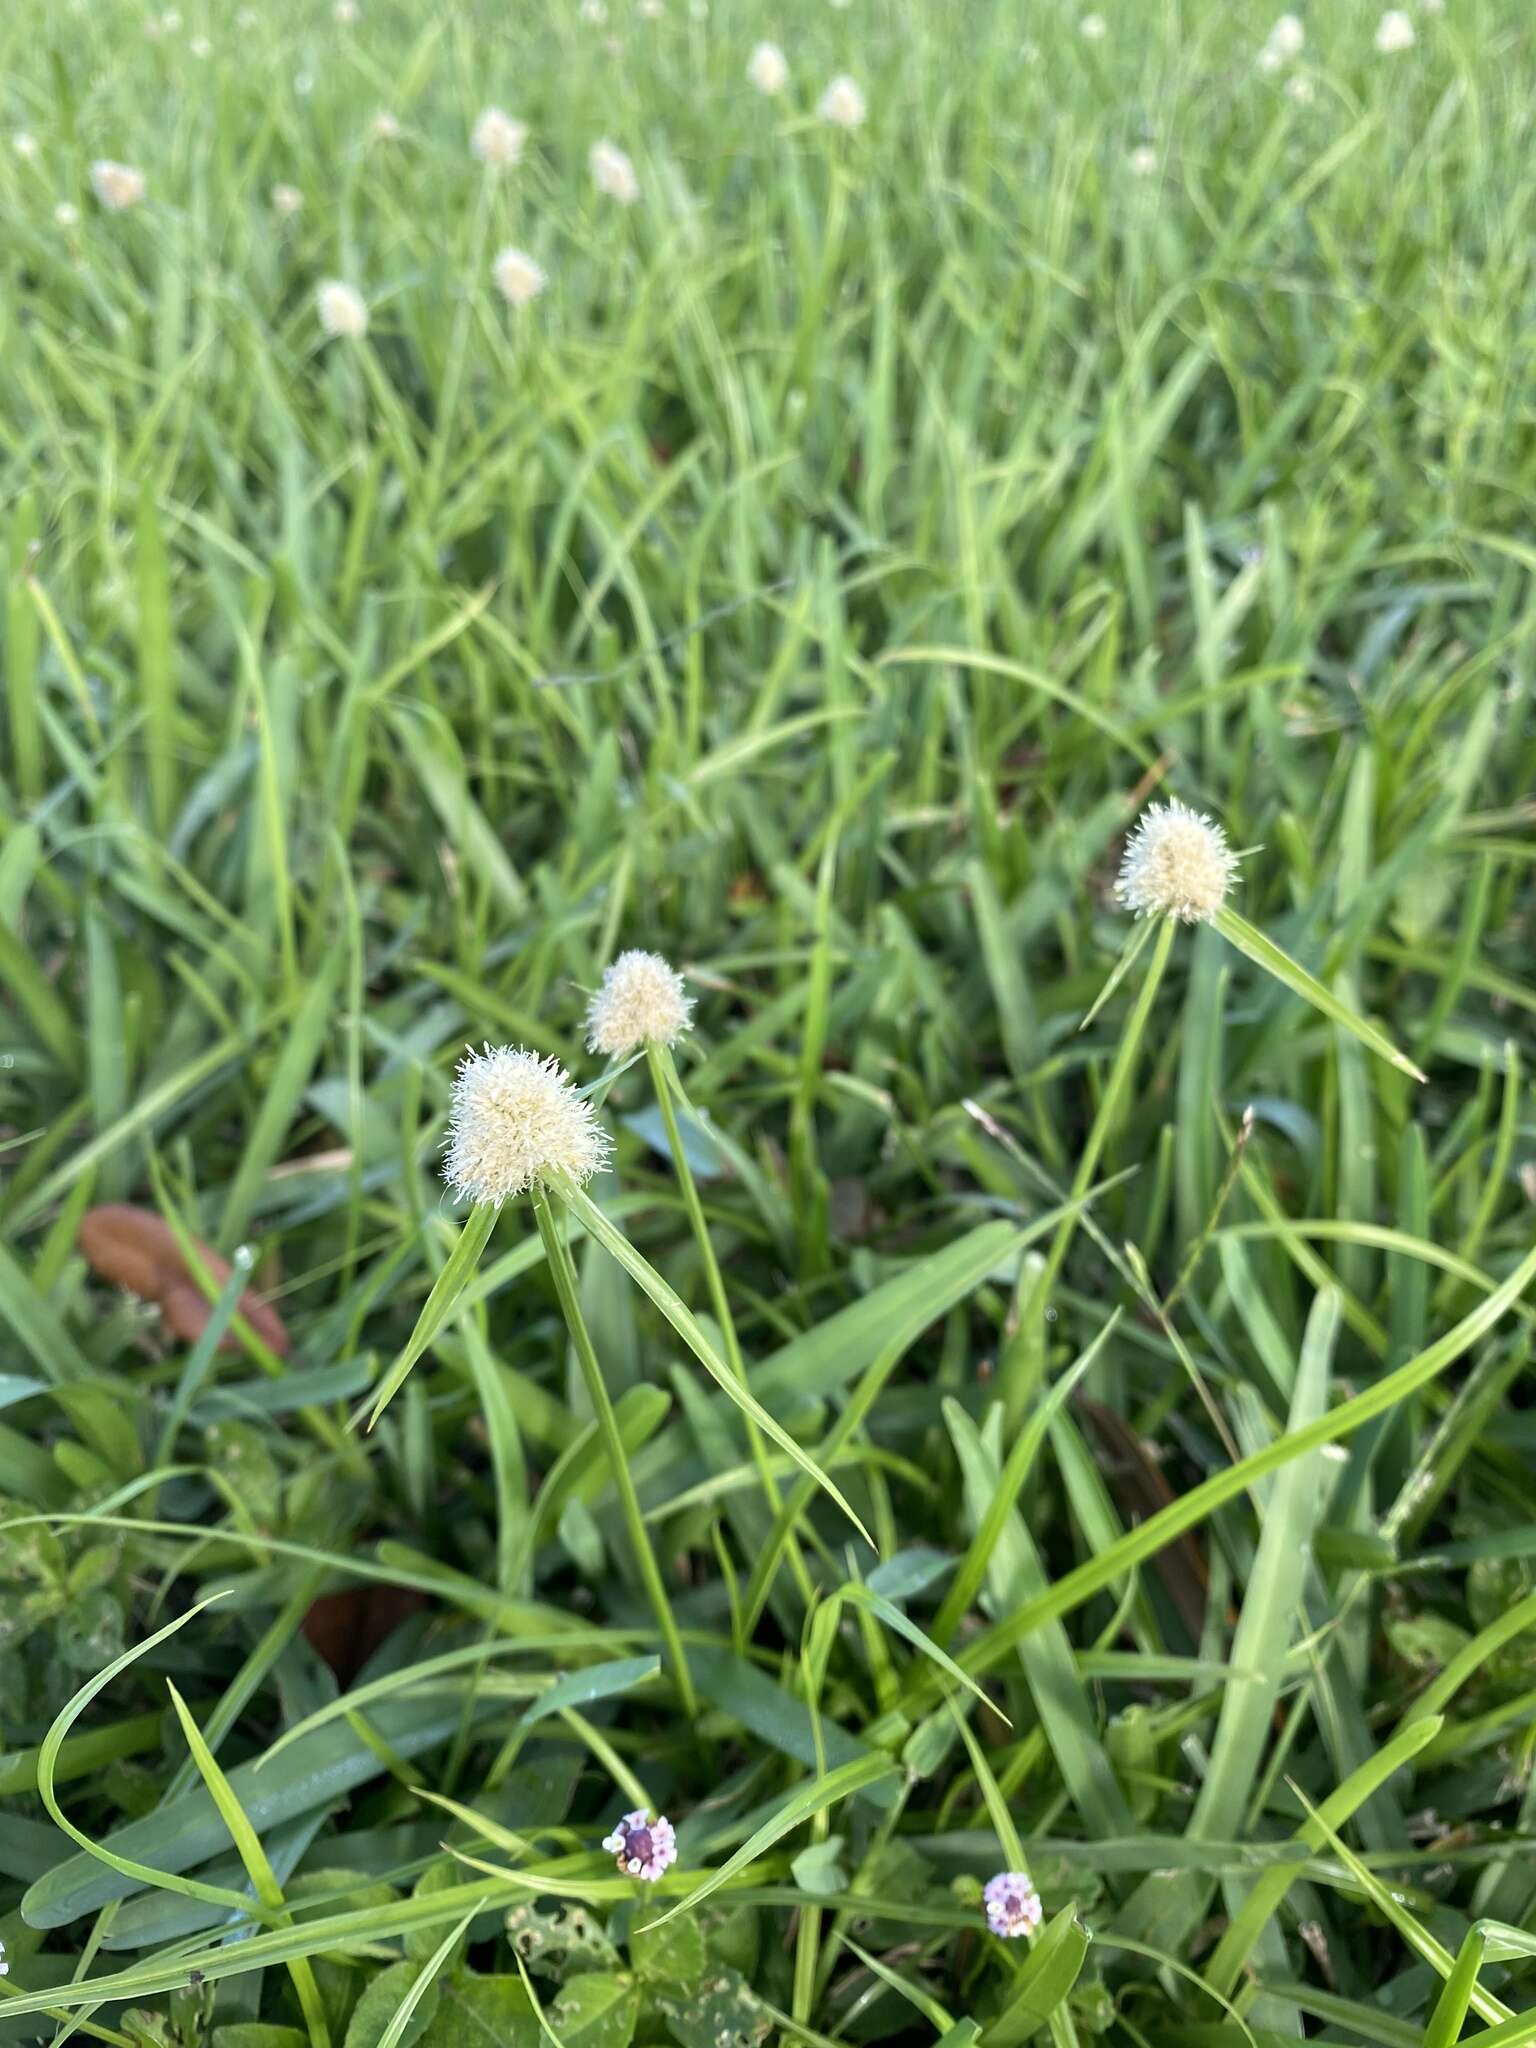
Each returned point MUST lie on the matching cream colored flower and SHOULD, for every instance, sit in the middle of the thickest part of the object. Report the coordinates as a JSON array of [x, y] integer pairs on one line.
[[651, 10], [26, 146], [1395, 32], [842, 104], [1093, 28], [343, 310], [515, 1120], [1177, 864], [287, 200], [170, 22], [66, 214], [1288, 38], [117, 186], [346, 13], [498, 139], [594, 12], [768, 69], [1300, 88], [201, 48], [517, 277], [384, 127], [612, 173], [642, 1002], [1143, 159]]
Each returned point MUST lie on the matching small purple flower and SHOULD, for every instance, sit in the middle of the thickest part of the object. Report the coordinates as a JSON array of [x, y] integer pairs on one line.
[[644, 1848], [1013, 1904]]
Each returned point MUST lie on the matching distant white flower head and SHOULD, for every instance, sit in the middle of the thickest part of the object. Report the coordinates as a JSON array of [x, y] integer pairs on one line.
[[246, 20], [201, 48], [613, 46], [642, 1847], [1012, 1903], [343, 310], [1093, 28], [651, 10], [287, 200], [1177, 864], [346, 13], [1432, 6], [66, 214], [612, 172], [170, 22], [1299, 87], [842, 103], [117, 186], [384, 127], [498, 139], [26, 146], [151, 28], [642, 1001], [1395, 32], [1143, 159], [1288, 38], [768, 69], [594, 12], [517, 277], [516, 1120]]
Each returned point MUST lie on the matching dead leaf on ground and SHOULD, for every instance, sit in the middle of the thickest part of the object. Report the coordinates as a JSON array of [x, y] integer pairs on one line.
[[137, 1249], [346, 1628]]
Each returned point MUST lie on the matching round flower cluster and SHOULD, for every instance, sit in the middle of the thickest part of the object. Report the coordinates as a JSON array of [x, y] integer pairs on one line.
[[642, 1847], [515, 1120], [1177, 864], [641, 1002], [1012, 1903]]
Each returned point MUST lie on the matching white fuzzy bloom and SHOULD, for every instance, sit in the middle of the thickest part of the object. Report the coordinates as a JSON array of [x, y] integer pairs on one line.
[[1432, 6], [651, 10], [594, 12], [201, 48], [1288, 38], [642, 1002], [514, 1120], [612, 173], [343, 310], [384, 127], [842, 103], [1394, 32], [498, 139], [117, 186], [287, 200], [346, 13], [170, 22], [26, 146], [1300, 88], [517, 277], [1143, 159], [1177, 864], [1093, 28], [66, 214], [768, 69]]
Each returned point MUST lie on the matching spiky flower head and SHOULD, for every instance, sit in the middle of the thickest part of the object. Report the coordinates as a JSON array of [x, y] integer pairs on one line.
[[1288, 37], [1012, 1903], [612, 172], [201, 48], [1394, 32], [843, 103], [1177, 864], [384, 127], [498, 139], [515, 1119], [642, 1002], [343, 310], [768, 69], [517, 277], [642, 1847], [1299, 87], [25, 146], [1143, 159], [66, 214], [287, 200], [1093, 28], [346, 13], [117, 186]]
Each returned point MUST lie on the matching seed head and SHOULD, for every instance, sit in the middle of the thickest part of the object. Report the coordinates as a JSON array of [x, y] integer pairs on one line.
[[612, 173], [1394, 32], [842, 103], [651, 10], [514, 1120], [1093, 28], [642, 1847], [25, 146], [498, 139], [346, 13], [641, 1002], [594, 12], [117, 186], [1288, 38], [1012, 1903], [1177, 864], [201, 48], [343, 310], [1300, 89], [384, 127], [768, 69], [287, 200], [66, 214], [517, 277], [1143, 159], [170, 21]]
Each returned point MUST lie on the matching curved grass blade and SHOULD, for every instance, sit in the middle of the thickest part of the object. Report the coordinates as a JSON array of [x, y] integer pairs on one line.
[[1263, 952]]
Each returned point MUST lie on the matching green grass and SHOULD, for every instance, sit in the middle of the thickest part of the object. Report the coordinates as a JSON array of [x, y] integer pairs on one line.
[[813, 585]]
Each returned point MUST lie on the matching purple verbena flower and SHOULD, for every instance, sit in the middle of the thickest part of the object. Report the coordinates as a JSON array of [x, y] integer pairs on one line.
[[1012, 1903], [642, 1847]]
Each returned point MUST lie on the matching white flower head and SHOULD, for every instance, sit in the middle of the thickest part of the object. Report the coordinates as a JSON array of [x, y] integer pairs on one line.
[[1177, 864], [594, 12], [343, 310], [642, 1847], [346, 13], [201, 48], [287, 200], [498, 139], [612, 173], [842, 103], [170, 22], [1432, 6], [1143, 159], [515, 1120], [26, 146], [1288, 38], [117, 186], [642, 1002], [1299, 87], [66, 214], [517, 277], [1012, 1903], [1093, 28], [768, 69], [384, 127], [651, 10], [1394, 32]]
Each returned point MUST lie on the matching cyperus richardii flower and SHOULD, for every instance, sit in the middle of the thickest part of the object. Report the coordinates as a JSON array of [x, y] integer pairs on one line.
[[768, 69], [498, 139], [343, 310], [117, 186], [641, 1002], [612, 173], [514, 1121], [842, 103], [1395, 32], [517, 277], [1012, 1903], [642, 1847], [1177, 864]]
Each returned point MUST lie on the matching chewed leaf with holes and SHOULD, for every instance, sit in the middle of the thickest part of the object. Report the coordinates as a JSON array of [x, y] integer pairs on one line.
[[561, 1942], [722, 2012]]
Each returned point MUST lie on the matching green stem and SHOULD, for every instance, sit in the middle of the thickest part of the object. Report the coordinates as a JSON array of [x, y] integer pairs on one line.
[[661, 1081], [563, 1273]]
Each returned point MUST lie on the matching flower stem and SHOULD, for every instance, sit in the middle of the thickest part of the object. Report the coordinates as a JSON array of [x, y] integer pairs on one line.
[[564, 1274]]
